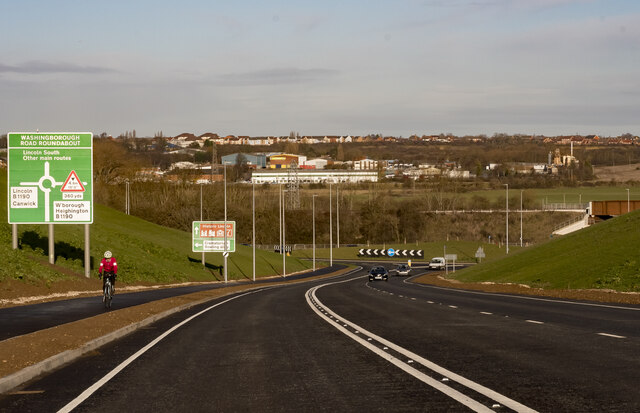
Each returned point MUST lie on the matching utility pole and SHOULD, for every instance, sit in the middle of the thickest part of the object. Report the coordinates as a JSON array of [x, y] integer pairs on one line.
[[521, 218], [214, 155], [313, 209], [338, 216], [507, 185], [330, 227]]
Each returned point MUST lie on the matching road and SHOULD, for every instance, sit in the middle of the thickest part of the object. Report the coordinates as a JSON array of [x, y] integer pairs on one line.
[[360, 346], [15, 321]]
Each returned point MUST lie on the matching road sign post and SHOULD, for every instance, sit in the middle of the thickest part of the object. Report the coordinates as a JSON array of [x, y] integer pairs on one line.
[[50, 181], [209, 236]]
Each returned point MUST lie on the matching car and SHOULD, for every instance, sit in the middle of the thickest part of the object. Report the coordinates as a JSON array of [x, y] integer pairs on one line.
[[403, 269], [437, 263], [378, 273]]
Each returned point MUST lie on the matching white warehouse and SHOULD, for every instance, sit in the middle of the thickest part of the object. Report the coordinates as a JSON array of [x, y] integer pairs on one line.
[[310, 176]]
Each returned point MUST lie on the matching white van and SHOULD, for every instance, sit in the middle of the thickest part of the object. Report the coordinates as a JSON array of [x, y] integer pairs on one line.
[[437, 263]]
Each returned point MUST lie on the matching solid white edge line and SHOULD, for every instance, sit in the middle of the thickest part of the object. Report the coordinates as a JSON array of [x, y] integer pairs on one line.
[[610, 335], [93, 388], [559, 301], [504, 400]]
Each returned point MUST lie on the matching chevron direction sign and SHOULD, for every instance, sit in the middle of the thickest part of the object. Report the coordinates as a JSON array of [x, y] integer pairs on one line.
[[390, 253]]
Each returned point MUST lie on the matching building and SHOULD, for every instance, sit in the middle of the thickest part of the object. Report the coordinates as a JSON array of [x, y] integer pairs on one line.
[[284, 160], [318, 163], [365, 164], [311, 176], [258, 161]]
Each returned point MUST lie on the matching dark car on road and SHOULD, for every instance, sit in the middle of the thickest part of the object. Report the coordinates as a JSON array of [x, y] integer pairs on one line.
[[378, 273]]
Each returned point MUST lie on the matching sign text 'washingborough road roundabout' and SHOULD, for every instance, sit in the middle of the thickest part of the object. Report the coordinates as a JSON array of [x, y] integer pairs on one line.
[[50, 178]]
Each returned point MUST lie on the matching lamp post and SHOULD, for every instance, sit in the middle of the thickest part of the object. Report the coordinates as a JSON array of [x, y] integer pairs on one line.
[[330, 228], [338, 216], [203, 264], [224, 248], [280, 214], [284, 239], [521, 218], [628, 202], [253, 233], [127, 199], [507, 220], [313, 220]]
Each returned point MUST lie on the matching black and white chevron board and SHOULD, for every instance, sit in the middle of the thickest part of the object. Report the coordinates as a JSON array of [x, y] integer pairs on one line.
[[390, 253]]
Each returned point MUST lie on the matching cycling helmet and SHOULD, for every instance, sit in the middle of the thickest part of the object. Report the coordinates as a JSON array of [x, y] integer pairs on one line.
[[107, 254]]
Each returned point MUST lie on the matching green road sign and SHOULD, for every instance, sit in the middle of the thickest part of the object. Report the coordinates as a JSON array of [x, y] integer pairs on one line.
[[209, 236], [50, 178]]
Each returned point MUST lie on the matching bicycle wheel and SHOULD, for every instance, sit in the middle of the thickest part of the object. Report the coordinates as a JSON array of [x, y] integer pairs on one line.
[[106, 299]]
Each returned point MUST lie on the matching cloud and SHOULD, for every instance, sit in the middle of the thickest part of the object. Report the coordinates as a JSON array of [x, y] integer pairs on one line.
[[277, 76], [37, 67]]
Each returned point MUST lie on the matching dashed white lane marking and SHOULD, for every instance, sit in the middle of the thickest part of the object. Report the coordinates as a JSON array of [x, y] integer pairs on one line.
[[534, 322], [611, 335], [412, 359], [485, 313], [453, 306]]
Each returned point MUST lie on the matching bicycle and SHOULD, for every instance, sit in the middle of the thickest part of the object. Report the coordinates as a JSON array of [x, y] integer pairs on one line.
[[107, 293]]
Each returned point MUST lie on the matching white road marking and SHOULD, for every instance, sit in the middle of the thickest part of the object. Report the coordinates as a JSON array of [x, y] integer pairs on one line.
[[522, 297], [610, 335], [97, 385], [453, 306], [485, 313], [311, 297], [534, 322]]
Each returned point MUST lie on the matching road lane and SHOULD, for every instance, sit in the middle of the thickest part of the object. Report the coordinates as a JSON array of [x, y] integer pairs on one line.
[[549, 367], [269, 351], [264, 352], [15, 321]]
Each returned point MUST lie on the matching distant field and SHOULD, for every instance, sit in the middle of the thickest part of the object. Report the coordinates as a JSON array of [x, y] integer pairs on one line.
[[534, 198], [619, 173]]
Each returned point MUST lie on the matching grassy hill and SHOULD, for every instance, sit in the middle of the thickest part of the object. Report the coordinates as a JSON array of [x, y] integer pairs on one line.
[[605, 255], [146, 252]]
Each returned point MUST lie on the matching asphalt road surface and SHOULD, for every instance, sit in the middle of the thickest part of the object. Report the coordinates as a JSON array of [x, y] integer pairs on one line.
[[15, 321], [359, 346]]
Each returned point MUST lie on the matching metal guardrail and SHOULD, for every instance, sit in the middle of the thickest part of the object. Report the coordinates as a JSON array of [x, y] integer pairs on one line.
[[562, 206]]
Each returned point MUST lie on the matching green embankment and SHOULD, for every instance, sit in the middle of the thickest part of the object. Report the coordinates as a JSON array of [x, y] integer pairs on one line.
[[146, 252], [605, 255]]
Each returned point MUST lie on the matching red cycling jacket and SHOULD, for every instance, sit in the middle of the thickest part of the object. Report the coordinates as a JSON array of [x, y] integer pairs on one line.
[[108, 265]]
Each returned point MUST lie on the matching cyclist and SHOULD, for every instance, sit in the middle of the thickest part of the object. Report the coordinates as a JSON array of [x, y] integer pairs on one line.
[[108, 268]]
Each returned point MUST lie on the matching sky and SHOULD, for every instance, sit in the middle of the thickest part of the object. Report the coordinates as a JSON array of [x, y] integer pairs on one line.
[[261, 68]]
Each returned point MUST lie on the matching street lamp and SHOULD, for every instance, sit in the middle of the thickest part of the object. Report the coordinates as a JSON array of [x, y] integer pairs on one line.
[[253, 233], [521, 217], [224, 248], [203, 264], [284, 240], [338, 216], [330, 228], [628, 201], [313, 209], [507, 201]]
